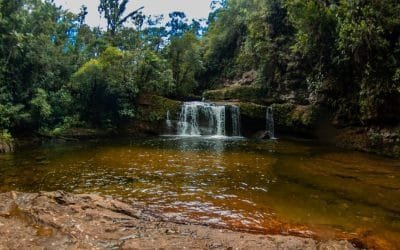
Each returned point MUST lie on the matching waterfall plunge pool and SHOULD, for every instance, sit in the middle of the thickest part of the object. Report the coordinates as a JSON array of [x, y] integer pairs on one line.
[[272, 186]]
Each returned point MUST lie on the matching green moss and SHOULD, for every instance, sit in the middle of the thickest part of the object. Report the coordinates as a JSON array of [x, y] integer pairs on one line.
[[294, 117], [282, 114], [154, 108], [6, 142], [252, 110], [6, 137], [287, 116], [242, 93]]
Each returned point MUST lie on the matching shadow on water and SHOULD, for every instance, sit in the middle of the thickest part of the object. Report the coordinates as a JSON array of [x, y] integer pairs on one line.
[[271, 186]]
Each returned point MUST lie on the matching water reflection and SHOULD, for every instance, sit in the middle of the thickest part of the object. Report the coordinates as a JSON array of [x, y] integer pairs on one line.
[[213, 145]]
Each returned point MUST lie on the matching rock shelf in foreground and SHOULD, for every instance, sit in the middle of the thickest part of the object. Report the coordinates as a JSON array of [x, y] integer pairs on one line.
[[58, 220]]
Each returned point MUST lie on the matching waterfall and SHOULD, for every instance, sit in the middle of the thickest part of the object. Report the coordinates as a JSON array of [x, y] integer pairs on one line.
[[270, 122], [219, 114], [200, 118], [168, 120], [188, 123], [235, 120]]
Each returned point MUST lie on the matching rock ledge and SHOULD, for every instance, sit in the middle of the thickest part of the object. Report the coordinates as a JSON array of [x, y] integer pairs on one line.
[[58, 220]]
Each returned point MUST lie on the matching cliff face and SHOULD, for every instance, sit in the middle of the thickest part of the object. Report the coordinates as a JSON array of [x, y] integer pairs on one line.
[[151, 115]]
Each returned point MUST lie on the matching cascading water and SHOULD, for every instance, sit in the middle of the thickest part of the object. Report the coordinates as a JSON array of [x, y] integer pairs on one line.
[[235, 120], [200, 118], [270, 122], [188, 123], [168, 120], [219, 114]]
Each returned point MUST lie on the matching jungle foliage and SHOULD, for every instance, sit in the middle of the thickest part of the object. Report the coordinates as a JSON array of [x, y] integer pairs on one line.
[[57, 72], [343, 54]]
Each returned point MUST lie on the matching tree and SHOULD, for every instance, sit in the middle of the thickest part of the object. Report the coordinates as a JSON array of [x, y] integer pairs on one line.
[[178, 24], [222, 42], [106, 87], [368, 41], [185, 58], [113, 11], [155, 35], [41, 109], [34, 54]]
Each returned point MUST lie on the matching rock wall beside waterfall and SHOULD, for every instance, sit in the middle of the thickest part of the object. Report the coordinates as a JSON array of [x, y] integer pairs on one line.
[[289, 118], [6, 142], [296, 119], [154, 108], [151, 115], [241, 93], [6, 146], [382, 141]]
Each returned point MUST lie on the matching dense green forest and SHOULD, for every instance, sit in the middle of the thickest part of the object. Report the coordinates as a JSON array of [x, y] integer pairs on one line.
[[56, 72]]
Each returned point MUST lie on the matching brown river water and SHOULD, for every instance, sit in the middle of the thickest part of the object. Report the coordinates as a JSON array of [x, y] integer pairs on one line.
[[272, 186]]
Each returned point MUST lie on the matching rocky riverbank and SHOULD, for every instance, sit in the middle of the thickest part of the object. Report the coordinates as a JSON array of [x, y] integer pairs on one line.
[[58, 220]]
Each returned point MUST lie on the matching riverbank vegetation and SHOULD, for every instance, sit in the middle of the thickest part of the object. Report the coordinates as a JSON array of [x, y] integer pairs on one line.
[[56, 72]]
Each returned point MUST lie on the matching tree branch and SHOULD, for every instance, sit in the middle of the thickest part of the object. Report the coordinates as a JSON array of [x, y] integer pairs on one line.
[[133, 13]]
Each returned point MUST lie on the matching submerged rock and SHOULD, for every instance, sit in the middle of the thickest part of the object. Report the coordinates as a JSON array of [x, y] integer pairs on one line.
[[263, 134], [58, 220]]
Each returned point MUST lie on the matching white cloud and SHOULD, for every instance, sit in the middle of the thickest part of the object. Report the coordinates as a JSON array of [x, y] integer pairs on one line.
[[192, 8]]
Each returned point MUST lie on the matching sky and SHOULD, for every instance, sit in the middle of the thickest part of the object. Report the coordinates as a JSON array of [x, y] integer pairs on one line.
[[193, 8]]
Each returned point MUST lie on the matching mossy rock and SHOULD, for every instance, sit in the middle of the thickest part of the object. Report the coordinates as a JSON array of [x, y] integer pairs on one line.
[[6, 147], [241, 93], [289, 118], [252, 110], [154, 108], [295, 117], [6, 142]]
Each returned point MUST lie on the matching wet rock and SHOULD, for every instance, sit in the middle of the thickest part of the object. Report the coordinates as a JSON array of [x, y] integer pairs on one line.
[[58, 220], [252, 110], [383, 141], [295, 117], [152, 108], [263, 134], [6, 146], [151, 115], [335, 245]]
